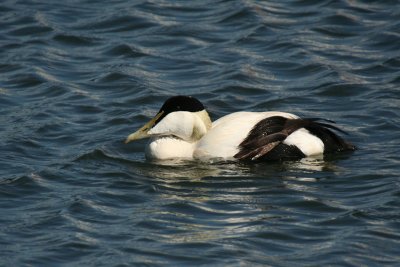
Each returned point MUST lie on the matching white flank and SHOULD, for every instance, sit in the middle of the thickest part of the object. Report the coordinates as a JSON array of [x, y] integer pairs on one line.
[[228, 132], [308, 144]]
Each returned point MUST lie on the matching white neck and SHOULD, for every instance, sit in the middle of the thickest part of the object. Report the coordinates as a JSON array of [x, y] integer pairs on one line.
[[177, 134]]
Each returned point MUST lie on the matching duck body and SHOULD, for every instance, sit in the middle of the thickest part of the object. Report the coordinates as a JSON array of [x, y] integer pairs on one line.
[[183, 129], [228, 132]]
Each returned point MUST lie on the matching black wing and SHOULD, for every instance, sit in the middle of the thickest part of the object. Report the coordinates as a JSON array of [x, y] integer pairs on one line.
[[265, 140]]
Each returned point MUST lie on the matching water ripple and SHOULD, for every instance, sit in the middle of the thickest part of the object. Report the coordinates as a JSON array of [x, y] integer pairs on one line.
[[77, 77]]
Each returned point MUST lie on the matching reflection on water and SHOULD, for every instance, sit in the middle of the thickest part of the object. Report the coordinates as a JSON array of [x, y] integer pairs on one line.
[[192, 169], [236, 199], [197, 169]]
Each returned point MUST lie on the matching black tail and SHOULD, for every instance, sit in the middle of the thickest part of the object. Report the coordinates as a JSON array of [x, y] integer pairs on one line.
[[332, 142]]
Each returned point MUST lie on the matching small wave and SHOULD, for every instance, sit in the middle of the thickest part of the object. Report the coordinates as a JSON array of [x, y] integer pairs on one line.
[[23, 186], [29, 30], [125, 50], [117, 23], [75, 40], [25, 80]]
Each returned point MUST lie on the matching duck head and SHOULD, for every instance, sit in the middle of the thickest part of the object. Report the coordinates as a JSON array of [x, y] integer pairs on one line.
[[183, 117]]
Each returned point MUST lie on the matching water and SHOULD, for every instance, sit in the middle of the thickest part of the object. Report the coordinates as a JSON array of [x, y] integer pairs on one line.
[[76, 77]]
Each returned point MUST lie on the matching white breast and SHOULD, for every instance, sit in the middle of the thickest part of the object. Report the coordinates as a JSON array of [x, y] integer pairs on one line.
[[168, 147]]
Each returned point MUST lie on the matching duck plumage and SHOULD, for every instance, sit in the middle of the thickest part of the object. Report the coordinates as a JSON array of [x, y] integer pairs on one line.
[[183, 129]]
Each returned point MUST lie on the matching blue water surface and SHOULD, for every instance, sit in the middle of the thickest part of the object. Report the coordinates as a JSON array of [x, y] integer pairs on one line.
[[76, 77]]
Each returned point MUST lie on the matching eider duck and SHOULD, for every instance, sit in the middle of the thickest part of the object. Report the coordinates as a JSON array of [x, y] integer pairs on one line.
[[183, 129]]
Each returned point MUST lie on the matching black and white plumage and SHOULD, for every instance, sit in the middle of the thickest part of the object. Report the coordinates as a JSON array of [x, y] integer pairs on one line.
[[183, 129]]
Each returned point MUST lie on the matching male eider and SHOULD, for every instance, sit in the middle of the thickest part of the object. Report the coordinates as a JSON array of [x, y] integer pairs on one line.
[[183, 129]]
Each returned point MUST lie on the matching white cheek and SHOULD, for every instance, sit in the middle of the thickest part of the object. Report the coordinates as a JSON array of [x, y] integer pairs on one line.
[[179, 124]]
